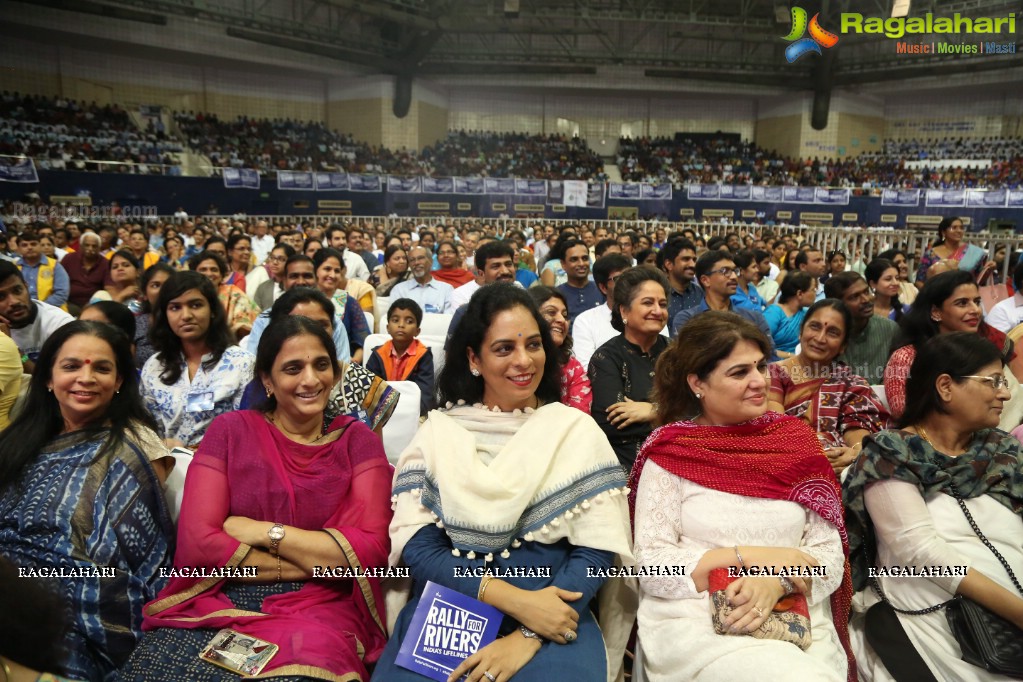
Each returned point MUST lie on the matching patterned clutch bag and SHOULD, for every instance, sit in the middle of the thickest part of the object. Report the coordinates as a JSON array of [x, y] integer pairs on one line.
[[789, 621]]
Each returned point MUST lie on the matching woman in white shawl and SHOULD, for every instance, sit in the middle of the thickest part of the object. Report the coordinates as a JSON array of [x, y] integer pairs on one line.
[[507, 479]]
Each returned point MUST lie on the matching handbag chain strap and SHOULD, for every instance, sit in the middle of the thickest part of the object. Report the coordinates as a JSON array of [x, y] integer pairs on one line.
[[987, 543], [876, 586]]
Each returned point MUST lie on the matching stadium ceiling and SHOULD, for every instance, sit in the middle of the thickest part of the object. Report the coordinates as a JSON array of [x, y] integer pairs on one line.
[[729, 41]]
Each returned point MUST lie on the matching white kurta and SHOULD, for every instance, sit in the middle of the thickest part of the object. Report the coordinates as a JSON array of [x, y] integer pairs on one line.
[[912, 531], [677, 521]]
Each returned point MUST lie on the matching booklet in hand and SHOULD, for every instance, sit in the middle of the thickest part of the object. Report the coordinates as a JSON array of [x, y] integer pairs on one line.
[[447, 628]]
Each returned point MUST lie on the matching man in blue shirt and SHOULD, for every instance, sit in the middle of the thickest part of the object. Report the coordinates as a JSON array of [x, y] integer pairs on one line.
[[432, 295], [580, 291], [719, 277]]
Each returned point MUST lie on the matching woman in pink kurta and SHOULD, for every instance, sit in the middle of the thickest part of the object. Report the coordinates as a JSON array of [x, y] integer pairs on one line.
[[327, 485]]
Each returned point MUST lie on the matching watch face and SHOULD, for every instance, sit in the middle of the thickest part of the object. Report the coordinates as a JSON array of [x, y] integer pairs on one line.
[[276, 533]]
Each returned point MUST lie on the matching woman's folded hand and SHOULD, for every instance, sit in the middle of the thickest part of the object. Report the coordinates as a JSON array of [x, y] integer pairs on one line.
[[752, 599], [546, 613]]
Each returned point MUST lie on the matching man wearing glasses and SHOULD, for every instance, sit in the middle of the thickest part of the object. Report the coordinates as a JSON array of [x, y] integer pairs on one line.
[[718, 277], [432, 295]]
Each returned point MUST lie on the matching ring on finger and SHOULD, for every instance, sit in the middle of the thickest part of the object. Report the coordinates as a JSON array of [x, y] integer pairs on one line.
[[569, 636], [759, 612], [487, 674]]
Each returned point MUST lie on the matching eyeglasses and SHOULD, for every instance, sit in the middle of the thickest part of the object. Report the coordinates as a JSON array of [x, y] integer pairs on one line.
[[726, 271], [998, 382], [614, 278]]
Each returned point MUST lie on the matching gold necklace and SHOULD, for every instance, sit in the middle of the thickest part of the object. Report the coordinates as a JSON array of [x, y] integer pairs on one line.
[[301, 436], [923, 434]]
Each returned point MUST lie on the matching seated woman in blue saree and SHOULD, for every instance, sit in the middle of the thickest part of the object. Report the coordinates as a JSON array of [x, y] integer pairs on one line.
[[516, 480], [78, 494]]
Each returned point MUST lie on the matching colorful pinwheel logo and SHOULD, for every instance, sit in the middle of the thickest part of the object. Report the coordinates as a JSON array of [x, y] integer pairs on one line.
[[817, 39]]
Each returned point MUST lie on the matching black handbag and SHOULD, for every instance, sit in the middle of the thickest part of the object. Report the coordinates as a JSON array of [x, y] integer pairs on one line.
[[987, 640]]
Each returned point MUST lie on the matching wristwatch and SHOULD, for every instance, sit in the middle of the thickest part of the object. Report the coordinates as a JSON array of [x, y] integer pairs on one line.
[[276, 534], [529, 634]]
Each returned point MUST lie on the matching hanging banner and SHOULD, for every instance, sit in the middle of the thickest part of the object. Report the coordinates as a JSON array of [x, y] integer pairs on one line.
[[499, 185], [536, 188], [622, 190], [365, 183], [986, 198], [575, 193], [773, 195], [946, 197], [703, 191], [294, 180], [556, 192], [900, 197], [469, 185], [405, 184], [241, 178], [1014, 198], [18, 170], [832, 196], [595, 195], [326, 182], [799, 195], [736, 192], [657, 192], [438, 185]]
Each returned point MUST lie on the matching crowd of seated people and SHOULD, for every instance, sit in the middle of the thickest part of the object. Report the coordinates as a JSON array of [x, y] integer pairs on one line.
[[67, 134], [513, 155], [725, 161], [672, 434]]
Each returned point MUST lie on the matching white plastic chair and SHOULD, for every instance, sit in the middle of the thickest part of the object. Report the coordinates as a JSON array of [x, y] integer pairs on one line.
[[374, 341], [436, 324], [404, 421], [380, 306], [175, 485], [436, 346], [369, 320]]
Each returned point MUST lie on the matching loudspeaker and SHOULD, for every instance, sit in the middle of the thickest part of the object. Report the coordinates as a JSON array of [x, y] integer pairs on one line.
[[402, 95]]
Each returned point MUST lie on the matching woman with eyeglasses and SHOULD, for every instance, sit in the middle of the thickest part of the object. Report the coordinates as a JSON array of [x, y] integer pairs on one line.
[[575, 384], [949, 302], [944, 490]]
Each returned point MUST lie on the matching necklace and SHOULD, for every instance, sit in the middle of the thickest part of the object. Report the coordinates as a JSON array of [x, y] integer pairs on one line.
[[923, 434], [303, 438]]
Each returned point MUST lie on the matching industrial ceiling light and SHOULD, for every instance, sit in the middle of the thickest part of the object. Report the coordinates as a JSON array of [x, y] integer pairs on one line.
[[901, 8]]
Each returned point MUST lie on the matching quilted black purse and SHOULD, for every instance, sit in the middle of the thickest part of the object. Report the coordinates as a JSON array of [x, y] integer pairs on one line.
[[987, 640]]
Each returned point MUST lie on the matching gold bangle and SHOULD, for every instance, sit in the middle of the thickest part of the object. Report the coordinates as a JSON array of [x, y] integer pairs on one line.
[[483, 586], [739, 557], [278, 568], [7, 671]]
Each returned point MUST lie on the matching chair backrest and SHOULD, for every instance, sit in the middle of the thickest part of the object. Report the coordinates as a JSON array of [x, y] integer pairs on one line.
[[380, 306], [369, 319], [436, 324], [879, 391], [436, 346], [372, 342], [404, 421], [175, 485]]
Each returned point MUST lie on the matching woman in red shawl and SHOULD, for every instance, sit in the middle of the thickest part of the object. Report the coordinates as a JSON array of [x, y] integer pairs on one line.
[[735, 487], [282, 494]]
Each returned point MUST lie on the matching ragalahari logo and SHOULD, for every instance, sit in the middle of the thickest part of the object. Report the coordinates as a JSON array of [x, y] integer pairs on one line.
[[818, 36]]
